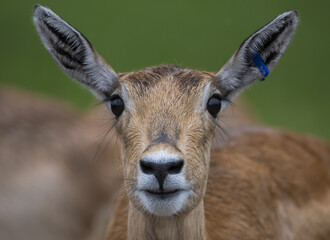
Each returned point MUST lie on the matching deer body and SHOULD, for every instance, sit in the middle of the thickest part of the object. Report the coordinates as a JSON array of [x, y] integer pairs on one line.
[[166, 118], [249, 197]]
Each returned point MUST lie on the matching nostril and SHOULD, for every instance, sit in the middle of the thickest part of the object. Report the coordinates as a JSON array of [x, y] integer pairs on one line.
[[175, 167], [146, 167], [161, 169]]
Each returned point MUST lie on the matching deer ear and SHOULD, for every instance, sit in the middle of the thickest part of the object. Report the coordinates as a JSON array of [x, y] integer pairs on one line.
[[73, 53], [257, 55]]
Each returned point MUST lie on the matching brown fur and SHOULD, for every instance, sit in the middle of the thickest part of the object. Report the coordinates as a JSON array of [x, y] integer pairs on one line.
[[51, 188], [256, 176], [169, 121], [46, 169], [263, 184], [166, 118]]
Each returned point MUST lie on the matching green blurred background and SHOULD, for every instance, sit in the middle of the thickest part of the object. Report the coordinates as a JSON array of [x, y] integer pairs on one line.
[[197, 34]]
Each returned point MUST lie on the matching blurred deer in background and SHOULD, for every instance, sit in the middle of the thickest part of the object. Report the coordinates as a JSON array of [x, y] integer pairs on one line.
[[51, 186], [263, 183]]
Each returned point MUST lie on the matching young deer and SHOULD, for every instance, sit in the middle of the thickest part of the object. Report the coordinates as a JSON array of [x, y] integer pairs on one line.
[[263, 184]]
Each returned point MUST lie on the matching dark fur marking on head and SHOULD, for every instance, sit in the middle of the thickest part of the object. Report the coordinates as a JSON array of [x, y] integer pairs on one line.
[[189, 80], [163, 138], [186, 79], [163, 69]]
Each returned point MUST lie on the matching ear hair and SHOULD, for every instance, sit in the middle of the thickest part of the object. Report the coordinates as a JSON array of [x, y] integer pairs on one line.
[[72, 51], [267, 45]]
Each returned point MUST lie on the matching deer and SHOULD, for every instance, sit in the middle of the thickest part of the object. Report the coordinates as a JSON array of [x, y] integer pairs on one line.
[[58, 180], [259, 183]]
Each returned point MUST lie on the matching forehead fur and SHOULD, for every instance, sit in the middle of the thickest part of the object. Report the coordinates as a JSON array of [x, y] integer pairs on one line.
[[185, 80]]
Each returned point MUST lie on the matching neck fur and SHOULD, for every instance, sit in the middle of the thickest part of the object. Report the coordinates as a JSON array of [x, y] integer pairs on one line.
[[143, 226]]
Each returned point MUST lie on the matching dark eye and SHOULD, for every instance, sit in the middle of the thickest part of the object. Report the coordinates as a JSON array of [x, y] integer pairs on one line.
[[214, 105], [117, 105]]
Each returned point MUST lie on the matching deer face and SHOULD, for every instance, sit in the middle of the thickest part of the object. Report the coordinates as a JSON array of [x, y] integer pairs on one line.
[[165, 115], [166, 126]]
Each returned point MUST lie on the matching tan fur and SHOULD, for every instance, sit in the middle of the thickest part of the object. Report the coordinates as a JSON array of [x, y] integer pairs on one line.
[[166, 118], [189, 227], [51, 188], [259, 190], [45, 169], [255, 177]]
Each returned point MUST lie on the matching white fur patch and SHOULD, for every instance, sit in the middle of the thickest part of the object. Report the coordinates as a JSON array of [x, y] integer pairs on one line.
[[155, 204], [206, 95], [164, 207], [161, 156]]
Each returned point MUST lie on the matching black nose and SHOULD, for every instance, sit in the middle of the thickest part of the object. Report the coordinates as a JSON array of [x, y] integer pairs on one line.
[[161, 170]]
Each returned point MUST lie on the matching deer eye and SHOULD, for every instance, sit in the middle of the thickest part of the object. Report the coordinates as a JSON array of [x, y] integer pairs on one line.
[[214, 105], [117, 105]]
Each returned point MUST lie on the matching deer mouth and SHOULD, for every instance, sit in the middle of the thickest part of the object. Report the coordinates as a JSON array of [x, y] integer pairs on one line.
[[164, 199], [164, 202], [163, 194]]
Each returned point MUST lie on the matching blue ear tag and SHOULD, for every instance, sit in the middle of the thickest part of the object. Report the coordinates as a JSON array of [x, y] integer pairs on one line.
[[260, 64]]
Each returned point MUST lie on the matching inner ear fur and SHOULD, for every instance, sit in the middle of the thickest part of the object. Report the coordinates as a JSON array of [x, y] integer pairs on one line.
[[269, 42], [73, 52]]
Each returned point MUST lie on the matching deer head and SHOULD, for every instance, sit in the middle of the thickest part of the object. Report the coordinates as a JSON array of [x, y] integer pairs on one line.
[[165, 116]]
